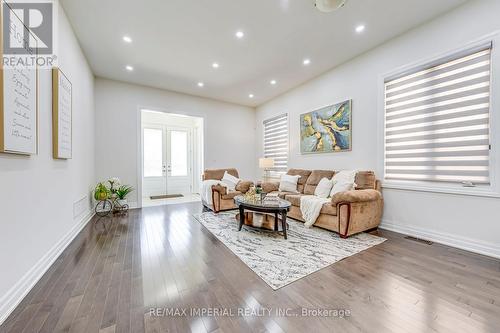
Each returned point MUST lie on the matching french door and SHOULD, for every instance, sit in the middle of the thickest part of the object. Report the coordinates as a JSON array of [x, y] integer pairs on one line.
[[167, 162]]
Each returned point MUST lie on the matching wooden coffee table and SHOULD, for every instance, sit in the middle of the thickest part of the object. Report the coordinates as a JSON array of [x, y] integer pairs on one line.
[[274, 212]]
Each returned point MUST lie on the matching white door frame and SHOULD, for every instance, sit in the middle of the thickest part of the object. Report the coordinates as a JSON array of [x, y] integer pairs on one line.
[[140, 153]]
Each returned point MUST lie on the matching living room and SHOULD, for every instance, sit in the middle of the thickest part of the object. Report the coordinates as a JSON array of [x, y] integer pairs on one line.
[[236, 166]]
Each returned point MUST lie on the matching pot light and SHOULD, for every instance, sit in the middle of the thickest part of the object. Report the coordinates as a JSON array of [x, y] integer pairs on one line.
[[273, 82], [201, 84], [250, 96], [239, 34], [306, 62], [215, 65], [127, 39], [129, 68], [360, 28]]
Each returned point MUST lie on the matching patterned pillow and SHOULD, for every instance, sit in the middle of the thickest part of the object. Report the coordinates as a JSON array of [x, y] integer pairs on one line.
[[324, 187], [230, 182], [289, 183], [343, 181]]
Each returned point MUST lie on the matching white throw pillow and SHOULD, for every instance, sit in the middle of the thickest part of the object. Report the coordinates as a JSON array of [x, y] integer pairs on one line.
[[230, 181], [343, 181], [289, 183], [324, 187]]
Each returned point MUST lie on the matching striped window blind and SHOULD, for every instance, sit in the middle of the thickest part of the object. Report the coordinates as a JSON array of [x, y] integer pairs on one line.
[[276, 143], [437, 120]]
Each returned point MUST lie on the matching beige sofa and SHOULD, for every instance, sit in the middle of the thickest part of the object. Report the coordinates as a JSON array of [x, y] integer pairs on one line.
[[221, 200], [348, 213]]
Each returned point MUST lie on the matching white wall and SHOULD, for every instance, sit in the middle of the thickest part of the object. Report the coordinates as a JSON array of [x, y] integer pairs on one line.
[[229, 129], [464, 221], [37, 193]]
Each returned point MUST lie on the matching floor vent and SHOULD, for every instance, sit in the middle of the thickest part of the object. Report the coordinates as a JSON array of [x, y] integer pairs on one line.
[[420, 240]]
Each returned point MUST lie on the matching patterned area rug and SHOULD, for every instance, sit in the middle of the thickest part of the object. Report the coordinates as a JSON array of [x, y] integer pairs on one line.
[[278, 261]]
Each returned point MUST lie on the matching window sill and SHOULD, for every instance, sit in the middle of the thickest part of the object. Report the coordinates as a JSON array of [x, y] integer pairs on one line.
[[469, 191]]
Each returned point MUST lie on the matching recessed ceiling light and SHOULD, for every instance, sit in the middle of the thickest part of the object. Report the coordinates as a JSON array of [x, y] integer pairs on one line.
[[360, 28], [273, 82], [201, 84], [239, 34], [127, 39], [306, 62], [129, 68], [215, 65], [250, 96]]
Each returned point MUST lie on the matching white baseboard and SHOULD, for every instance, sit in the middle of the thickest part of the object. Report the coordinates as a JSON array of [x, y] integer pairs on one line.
[[464, 243], [15, 295]]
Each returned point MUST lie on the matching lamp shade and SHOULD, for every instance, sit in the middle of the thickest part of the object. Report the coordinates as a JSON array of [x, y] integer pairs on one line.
[[265, 163]]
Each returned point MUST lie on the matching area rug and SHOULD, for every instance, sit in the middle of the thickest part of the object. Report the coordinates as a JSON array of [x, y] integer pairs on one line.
[[278, 261]]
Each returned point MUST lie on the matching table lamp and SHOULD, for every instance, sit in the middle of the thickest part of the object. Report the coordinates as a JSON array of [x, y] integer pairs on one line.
[[266, 163]]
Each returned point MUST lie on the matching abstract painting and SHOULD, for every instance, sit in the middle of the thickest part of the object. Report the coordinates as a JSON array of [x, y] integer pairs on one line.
[[326, 130]]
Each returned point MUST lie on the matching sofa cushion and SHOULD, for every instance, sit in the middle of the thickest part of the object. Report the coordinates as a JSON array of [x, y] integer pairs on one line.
[[329, 209], [217, 174], [231, 195], [365, 180], [304, 175], [243, 186], [294, 199], [315, 178]]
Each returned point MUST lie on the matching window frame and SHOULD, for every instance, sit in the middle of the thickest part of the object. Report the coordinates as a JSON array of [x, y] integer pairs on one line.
[[276, 174], [492, 190]]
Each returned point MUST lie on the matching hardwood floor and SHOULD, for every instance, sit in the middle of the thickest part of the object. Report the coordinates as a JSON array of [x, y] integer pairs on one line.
[[162, 257]]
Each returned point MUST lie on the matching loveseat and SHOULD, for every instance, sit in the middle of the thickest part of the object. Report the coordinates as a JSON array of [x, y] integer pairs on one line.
[[348, 212], [220, 198]]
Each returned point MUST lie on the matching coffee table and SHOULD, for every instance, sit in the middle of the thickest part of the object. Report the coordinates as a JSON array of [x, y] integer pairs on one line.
[[271, 209]]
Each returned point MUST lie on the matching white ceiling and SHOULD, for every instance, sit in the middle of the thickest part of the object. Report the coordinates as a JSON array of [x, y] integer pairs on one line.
[[175, 42]]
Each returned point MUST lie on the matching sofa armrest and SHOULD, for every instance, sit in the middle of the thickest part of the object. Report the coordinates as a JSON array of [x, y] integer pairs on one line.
[[219, 189], [243, 186], [269, 187], [356, 196]]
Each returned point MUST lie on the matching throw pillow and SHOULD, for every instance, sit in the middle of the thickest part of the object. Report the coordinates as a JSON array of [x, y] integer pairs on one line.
[[324, 187], [230, 181], [289, 183], [343, 181]]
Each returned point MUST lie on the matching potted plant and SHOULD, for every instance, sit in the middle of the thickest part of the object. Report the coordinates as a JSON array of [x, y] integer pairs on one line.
[[114, 184], [101, 192], [122, 192]]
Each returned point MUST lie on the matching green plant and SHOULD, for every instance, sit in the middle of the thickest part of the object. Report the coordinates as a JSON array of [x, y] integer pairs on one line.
[[101, 192], [123, 191]]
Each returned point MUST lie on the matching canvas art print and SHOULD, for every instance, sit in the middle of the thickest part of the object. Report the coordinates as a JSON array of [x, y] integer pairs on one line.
[[326, 130]]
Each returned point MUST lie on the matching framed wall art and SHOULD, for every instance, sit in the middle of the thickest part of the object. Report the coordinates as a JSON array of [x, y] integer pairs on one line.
[[62, 115], [327, 130]]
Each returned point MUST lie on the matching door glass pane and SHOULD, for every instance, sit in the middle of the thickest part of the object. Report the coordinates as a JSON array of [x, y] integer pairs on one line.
[[179, 153], [153, 152]]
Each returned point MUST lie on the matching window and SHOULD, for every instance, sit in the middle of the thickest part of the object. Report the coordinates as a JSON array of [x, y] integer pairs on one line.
[[179, 153], [437, 120], [276, 143]]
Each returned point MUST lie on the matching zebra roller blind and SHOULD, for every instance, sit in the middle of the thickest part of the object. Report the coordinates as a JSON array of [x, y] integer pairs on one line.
[[276, 143], [437, 120]]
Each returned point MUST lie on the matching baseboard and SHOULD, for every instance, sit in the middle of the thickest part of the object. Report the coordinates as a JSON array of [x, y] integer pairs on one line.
[[460, 242], [15, 295]]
